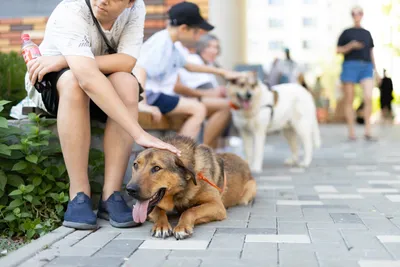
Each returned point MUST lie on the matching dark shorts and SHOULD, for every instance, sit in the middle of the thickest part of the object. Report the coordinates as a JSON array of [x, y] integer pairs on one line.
[[166, 103], [50, 97]]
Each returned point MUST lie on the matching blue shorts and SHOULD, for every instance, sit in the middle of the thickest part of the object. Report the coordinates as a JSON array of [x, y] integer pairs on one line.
[[354, 71], [166, 103]]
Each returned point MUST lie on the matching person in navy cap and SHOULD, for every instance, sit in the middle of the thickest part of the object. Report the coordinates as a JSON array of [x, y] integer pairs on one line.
[[160, 61]]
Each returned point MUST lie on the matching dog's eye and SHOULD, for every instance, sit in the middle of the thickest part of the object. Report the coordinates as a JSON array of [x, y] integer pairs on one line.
[[135, 166], [155, 169]]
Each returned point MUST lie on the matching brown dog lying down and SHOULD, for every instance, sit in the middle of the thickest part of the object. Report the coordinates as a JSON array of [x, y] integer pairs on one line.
[[200, 185]]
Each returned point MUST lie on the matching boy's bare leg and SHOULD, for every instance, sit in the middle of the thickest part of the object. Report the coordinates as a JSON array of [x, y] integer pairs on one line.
[[74, 132], [117, 142], [197, 112], [219, 115]]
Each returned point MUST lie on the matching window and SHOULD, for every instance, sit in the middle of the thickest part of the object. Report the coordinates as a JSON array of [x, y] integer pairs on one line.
[[307, 44], [275, 23], [275, 2], [309, 22], [275, 45]]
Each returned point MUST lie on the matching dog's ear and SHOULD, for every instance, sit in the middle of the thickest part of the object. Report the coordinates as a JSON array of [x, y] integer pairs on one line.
[[188, 171]]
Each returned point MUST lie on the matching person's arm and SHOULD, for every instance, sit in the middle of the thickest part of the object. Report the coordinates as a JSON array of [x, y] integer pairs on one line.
[[184, 90], [204, 69], [213, 70], [107, 64], [345, 49]]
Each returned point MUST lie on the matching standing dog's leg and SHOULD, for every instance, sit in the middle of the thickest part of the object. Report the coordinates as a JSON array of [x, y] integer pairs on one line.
[[207, 212], [259, 146], [248, 144], [161, 227], [290, 136], [303, 129]]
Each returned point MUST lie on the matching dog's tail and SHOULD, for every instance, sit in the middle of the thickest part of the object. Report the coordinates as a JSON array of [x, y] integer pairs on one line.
[[316, 135]]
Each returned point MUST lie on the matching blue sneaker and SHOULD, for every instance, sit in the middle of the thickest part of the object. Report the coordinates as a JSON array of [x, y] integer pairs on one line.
[[79, 214], [116, 211]]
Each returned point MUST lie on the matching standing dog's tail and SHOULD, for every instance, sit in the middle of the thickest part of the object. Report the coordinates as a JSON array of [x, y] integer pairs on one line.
[[316, 134]]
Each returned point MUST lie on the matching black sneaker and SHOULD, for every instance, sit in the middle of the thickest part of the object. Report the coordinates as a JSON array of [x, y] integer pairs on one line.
[[79, 214], [116, 211]]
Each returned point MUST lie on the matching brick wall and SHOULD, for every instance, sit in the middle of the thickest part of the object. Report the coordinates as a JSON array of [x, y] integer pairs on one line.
[[11, 29]]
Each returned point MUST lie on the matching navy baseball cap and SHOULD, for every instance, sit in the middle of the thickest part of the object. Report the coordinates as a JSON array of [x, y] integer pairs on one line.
[[188, 13]]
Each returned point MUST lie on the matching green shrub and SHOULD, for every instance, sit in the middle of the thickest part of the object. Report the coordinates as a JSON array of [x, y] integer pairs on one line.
[[33, 179], [12, 79]]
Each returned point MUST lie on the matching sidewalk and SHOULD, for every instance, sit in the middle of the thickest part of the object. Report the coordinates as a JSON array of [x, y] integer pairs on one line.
[[343, 211]]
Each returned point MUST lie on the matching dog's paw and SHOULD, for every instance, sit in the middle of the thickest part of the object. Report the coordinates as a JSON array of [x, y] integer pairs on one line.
[[161, 230], [290, 162], [304, 164], [182, 232]]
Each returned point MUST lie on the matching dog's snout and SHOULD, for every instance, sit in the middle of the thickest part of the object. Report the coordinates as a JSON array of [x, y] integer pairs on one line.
[[133, 190], [248, 95]]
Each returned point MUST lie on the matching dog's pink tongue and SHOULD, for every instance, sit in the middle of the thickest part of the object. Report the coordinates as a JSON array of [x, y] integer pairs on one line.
[[246, 104], [139, 211]]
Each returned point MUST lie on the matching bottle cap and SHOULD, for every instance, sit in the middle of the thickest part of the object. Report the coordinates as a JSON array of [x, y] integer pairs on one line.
[[25, 37]]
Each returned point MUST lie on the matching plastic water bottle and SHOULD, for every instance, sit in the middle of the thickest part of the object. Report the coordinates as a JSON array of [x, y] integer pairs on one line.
[[30, 51]]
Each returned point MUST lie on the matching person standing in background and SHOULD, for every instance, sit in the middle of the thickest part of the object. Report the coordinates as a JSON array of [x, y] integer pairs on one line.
[[356, 44], [386, 88]]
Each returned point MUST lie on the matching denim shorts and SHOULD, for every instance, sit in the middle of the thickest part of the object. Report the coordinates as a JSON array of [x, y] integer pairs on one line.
[[354, 71]]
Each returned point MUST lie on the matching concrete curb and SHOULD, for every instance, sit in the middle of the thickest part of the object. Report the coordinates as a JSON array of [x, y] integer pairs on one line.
[[28, 251]]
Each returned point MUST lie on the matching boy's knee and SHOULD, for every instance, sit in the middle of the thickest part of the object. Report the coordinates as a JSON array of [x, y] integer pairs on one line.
[[69, 89], [127, 87], [200, 110]]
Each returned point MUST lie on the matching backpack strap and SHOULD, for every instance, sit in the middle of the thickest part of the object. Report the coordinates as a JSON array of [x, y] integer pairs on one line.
[[110, 49]]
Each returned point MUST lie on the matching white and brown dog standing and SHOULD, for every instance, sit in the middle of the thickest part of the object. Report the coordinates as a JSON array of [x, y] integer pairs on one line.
[[258, 110]]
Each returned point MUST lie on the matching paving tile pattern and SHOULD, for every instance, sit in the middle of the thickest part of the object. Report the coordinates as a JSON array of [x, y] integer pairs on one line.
[[332, 214]]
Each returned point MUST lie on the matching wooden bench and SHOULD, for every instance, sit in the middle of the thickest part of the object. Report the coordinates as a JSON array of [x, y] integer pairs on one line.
[[167, 123]]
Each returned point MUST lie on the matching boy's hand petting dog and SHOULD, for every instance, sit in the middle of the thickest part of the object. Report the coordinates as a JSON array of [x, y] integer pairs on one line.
[[146, 140]]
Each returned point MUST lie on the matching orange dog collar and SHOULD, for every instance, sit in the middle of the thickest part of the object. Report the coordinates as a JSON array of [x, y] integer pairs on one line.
[[200, 176]]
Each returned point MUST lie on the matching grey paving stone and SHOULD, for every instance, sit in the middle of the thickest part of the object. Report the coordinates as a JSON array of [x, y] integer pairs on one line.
[[338, 263], [381, 226], [119, 248], [202, 254], [262, 223], [308, 197], [226, 223], [87, 261], [245, 231], [289, 228], [96, 239], [345, 218], [393, 249], [325, 236], [292, 257], [181, 263], [360, 240], [152, 258], [264, 251], [226, 241], [77, 251], [237, 263]]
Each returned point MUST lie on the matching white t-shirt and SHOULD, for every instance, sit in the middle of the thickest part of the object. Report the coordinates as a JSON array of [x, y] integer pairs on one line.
[[194, 79], [71, 31], [161, 60]]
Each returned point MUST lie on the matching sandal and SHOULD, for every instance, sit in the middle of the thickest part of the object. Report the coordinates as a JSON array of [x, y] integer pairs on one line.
[[370, 138]]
